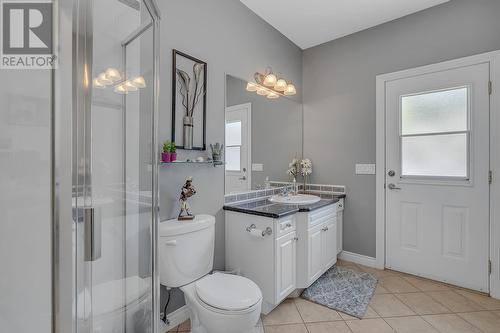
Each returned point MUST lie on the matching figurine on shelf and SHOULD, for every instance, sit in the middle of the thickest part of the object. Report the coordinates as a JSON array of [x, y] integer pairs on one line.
[[187, 191]]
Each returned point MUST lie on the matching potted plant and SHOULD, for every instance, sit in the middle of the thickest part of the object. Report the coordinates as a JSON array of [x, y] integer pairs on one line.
[[166, 155], [173, 151]]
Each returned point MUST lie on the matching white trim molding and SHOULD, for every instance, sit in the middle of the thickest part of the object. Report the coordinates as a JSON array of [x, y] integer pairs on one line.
[[358, 259], [493, 58], [175, 318]]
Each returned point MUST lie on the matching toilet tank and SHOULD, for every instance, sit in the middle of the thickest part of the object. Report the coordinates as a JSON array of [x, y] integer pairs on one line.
[[186, 250]]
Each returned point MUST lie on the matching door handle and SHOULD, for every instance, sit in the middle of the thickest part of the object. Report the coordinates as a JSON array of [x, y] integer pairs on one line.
[[243, 178], [92, 229], [393, 187], [171, 243]]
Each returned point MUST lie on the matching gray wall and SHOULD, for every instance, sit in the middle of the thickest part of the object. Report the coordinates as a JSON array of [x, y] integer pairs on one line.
[[339, 94], [231, 39], [276, 130]]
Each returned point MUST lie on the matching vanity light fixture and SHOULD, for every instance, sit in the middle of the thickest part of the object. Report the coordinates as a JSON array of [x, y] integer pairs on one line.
[[262, 91], [129, 86], [97, 84], [272, 95], [290, 90], [113, 74], [113, 77], [138, 82], [120, 89], [270, 85], [103, 79], [251, 86], [280, 85], [270, 80]]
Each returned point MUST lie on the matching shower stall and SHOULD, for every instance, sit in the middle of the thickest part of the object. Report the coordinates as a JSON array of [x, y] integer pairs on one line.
[[78, 154]]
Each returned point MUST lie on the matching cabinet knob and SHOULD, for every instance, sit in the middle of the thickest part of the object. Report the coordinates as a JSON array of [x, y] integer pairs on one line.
[[325, 229], [295, 238]]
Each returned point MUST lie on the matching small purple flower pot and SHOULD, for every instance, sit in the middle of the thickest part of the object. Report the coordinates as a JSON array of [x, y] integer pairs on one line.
[[173, 157], [166, 157]]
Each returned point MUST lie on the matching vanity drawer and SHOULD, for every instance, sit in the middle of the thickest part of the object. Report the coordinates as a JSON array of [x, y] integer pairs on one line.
[[322, 214], [285, 225]]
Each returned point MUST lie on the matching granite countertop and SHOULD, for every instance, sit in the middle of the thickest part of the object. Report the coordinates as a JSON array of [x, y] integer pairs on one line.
[[267, 208]]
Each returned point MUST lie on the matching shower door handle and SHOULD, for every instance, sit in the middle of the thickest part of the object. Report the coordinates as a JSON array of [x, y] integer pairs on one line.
[[92, 227]]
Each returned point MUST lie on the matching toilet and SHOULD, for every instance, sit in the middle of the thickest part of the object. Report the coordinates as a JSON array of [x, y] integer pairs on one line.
[[218, 302]]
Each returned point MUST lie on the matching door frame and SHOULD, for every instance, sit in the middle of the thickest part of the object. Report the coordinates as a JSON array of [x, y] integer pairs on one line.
[[248, 106], [493, 58]]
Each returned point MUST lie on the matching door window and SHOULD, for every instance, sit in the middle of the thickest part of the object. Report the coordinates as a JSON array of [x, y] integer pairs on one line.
[[434, 134], [233, 146]]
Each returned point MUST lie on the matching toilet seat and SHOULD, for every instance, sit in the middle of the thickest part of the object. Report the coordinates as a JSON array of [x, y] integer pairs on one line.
[[227, 293]]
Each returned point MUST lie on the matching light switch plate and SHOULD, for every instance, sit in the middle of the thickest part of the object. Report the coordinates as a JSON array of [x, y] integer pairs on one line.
[[365, 169], [257, 167]]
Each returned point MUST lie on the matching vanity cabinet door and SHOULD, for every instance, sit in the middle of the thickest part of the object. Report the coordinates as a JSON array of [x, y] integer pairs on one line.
[[285, 265], [329, 244], [314, 253]]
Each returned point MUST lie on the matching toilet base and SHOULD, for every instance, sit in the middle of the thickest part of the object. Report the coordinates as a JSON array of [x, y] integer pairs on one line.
[[204, 320]]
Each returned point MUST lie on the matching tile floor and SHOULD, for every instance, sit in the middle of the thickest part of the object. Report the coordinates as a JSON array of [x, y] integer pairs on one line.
[[402, 304]]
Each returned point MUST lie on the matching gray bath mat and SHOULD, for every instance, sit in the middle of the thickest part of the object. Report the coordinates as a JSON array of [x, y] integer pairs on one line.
[[344, 290]]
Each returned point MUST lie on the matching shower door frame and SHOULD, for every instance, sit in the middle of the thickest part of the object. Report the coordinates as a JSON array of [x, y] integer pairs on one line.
[[73, 38]]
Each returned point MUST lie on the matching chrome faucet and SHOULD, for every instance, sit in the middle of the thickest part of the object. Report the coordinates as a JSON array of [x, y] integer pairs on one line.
[[285, 192]]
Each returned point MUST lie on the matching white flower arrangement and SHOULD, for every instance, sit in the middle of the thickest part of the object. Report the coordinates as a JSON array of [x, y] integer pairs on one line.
[[306, 167], [293, 168], [296, 167]]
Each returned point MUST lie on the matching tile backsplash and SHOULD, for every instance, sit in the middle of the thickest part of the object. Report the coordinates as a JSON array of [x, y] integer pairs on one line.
[[322, 190]]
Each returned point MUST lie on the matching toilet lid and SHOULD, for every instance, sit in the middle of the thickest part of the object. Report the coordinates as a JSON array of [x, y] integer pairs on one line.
[[228, 292]]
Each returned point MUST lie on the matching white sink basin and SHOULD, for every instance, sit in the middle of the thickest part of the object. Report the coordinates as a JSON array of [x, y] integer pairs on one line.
[[299, 199]]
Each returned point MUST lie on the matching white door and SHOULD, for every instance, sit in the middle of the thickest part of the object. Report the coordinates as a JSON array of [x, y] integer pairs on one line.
[[437, 167], [238, 148], [285, 265]]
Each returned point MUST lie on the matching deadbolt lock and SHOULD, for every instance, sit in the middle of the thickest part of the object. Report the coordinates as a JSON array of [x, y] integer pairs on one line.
[[391, 173]]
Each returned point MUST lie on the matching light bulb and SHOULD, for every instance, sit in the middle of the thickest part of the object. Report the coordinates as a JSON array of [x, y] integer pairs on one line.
[[103, 79], [120, 89], [138, 82], [262, 91], [290, 90], [280, 85], [97, 84], [272, 95], [113, 74], [129, 86], [270, 80], [251, 86]]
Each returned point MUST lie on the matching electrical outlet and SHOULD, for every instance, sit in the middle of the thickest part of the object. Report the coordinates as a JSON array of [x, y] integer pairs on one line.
[[365, 169], [257, 167]]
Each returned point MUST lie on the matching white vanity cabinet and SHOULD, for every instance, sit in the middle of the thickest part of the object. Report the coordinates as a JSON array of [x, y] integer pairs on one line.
[[269, 259], [317, 246]]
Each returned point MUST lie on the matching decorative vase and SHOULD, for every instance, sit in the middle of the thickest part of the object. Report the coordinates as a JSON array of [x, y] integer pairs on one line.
[[166, 157], [173, 157], [188, 132]]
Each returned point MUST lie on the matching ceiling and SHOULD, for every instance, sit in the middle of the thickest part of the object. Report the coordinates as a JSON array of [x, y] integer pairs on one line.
[[311, 22]]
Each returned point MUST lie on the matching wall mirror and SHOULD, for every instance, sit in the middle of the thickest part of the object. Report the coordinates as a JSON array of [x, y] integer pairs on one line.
[[262, 136]]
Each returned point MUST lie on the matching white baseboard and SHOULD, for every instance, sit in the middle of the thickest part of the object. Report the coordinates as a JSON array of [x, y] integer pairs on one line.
[[358, 259], [175, 318]]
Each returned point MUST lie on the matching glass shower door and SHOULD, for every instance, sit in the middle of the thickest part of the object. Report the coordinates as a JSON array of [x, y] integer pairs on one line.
[[114, 167]]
